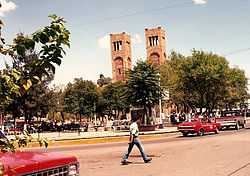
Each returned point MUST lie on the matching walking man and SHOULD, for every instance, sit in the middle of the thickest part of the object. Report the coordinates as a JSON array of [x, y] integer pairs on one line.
[[135, 141]]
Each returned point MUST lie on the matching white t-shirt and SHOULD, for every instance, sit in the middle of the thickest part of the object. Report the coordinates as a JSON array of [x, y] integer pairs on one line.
[[134, 129]]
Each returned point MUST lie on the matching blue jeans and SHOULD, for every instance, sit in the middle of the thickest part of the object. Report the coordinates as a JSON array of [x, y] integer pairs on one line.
[[130, 147]]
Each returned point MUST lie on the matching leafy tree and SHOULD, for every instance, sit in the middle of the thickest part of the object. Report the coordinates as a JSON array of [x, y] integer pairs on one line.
[[102, 81], [14, 83], [174, 84], [113, 94], [36, 101], [143, 87], [203, 80], [81, 97], [101, 104], [236, 90], [56, 100]]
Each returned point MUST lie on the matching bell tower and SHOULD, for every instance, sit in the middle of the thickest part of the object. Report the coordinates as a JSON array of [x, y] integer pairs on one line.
[[156, 45], [120, 55]]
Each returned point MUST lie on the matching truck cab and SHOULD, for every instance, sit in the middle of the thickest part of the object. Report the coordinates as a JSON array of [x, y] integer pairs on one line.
[[231, 119], [27, 163]]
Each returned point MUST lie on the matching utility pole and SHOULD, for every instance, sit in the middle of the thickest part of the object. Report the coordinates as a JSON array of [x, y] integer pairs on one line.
[[160, 114]]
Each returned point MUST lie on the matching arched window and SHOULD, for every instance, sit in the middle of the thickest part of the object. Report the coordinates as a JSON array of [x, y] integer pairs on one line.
[[119, 73]]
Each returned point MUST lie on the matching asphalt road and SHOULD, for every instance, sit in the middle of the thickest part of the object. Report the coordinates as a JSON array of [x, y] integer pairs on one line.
[[225, 154]]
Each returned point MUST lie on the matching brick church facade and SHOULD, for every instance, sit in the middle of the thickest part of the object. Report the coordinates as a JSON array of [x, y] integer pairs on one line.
[[121, 56], [156, 45]]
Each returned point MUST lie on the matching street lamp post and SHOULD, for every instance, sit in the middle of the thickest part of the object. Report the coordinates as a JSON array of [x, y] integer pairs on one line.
[[2, 116], [160, 125], [95, 113]]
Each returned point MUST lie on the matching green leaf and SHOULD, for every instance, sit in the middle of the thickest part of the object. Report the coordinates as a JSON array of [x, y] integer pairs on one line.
[[20, 49], [54, 16], [3, 40], [44, 38], [57, 61]]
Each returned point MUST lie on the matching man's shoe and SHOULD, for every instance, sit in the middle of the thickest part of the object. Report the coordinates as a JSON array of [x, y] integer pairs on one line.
[[148, 160], [124, 162]]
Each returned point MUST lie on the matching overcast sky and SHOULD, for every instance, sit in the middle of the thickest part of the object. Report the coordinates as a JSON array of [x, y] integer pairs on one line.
[[220, 26]]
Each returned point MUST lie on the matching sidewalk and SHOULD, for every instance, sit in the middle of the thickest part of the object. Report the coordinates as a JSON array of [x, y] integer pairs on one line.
[[73, 138]]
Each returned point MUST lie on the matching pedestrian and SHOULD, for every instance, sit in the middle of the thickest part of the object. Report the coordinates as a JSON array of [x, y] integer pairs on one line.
[[134, 140]]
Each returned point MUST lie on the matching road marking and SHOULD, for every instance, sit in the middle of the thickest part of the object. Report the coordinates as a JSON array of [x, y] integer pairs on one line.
[[238, 169]]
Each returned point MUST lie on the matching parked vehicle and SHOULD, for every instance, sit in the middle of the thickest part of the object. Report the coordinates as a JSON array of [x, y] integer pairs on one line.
[[26, 163], [231, 119], [121, 124], [198, 125], [32, 129], [12, 130]]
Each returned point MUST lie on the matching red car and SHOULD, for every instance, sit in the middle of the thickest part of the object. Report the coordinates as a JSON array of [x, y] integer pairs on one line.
[[27, 163], [199, 126]]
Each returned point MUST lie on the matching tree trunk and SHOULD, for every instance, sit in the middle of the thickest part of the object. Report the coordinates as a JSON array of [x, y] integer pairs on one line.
[[149, 110], [62, 116], [53, 116], [80, 119]]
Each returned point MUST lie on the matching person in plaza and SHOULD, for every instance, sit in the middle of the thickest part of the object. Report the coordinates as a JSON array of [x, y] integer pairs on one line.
[[134, 140]]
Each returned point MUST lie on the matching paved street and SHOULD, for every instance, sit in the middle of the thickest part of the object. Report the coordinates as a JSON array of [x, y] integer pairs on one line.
[[223, 154]]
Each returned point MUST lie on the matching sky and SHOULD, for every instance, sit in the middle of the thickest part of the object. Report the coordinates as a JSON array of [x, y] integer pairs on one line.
[[218, 26]]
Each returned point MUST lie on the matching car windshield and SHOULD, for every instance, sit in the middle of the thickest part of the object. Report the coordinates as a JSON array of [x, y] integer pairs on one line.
[[192, 120], [230, 114]]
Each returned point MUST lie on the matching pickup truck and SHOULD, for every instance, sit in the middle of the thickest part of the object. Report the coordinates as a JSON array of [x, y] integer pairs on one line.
[[198, 125], [27, 163], [231, 119]]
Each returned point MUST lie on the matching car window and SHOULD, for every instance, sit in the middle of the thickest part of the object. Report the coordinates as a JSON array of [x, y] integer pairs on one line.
[[192, 120], [203, 121]]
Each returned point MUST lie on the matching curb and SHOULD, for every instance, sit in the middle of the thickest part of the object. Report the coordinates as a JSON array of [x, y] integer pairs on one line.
[[103, 139]]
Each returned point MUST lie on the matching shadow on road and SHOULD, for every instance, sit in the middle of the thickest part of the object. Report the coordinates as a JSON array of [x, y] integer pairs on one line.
[[139, 156], [195, 135], [134, 163]]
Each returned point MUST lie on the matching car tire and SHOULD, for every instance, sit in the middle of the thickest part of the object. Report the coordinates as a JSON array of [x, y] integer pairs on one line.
[[237, 126], [216, 130], [201, 132], [185, 134]]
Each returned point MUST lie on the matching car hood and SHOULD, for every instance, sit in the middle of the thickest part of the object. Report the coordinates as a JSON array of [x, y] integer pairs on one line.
[[25, 161]]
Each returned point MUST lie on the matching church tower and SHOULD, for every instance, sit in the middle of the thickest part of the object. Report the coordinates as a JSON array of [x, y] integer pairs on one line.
[[156, 45], [120, 55]]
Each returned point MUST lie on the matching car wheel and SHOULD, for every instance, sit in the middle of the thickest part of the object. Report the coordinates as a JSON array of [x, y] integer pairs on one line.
[[201, 132], [185, 134], [237, 126], [216, 130]]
